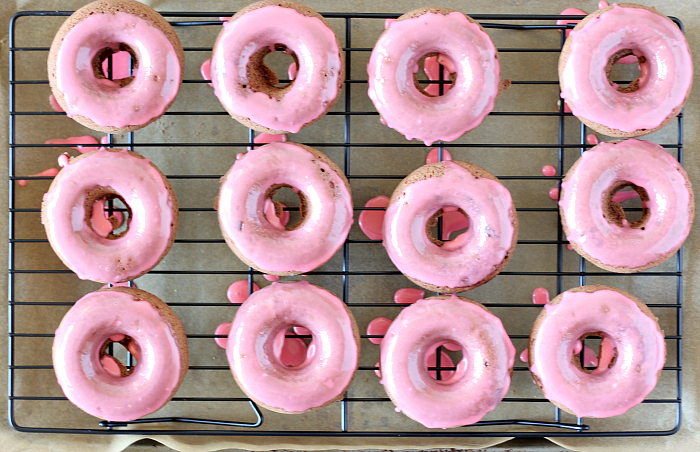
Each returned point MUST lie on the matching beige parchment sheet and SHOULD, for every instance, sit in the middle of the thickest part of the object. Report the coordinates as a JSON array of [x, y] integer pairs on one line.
[[200, 320]]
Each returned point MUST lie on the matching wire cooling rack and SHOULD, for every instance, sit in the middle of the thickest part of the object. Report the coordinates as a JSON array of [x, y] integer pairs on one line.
[[538, 419]]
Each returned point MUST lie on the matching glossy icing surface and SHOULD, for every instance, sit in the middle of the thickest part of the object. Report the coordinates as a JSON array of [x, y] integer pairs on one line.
[[394, 61], [327, 370], [646, 165], [471, 256], [605, 391], [242, 201], [315, 84], [482, 377], [95, 389], [157, 72], [666, 73], [91, 255]]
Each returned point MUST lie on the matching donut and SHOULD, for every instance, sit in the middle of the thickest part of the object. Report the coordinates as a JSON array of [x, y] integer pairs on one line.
[[603, 38], [632, 351], [99, 384], [596, 225], [255, 343], [481, 379], [93, 33], [262, 242], [76, 197], [475, 256], [246, 86], [393, 82]]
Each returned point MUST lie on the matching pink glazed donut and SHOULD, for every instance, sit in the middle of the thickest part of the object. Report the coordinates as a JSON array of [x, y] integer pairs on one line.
[[598, 42], [99, 384], [246, 86], [482, 377], [596, 225], [325, 204], [632, 351], [77, 196], [254, 346], [98, 30], [395, 60], [475, 256]]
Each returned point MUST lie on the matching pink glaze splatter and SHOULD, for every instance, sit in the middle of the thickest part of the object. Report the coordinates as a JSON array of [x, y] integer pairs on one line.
[[388, 22], [293, 352], [431, 67], [622, 196], [292, 71], [101, 225], [109, 364], [452, 221], [266, 138], [271, 277], [301, 331], [238, 291], [433, 155], [554, 193], [570, 12], [79, 143], [408, 295], [378, 327], [592, 139], [603, 4], [540, 296], [205, 70], [51, 172], [121, 65], [589, 357], [271, 214], [222, 330], [570, 247], [377, 371], [525, 355], [445, 361], [549, 170], [55, 105], [371, 221]]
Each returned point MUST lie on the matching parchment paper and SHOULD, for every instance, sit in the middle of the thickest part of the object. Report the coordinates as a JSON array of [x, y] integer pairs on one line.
[[400, 161]]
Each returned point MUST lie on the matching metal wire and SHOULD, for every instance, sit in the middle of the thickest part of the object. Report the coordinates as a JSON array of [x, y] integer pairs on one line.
[[538, 427]]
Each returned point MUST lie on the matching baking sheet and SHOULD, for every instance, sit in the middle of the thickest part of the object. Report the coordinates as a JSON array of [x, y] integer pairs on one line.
[[400, 161]]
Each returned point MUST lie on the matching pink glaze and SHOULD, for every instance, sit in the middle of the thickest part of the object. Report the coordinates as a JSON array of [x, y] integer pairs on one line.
[[238, 291], [101, 225], [51, 172], [99, 391], [431, 67], [301, 331], [554, 193], [622, 196], [271, 277], [408, 295], [666, 75], [315, 86], [605, 391], [372, 221], [242, 200], [266, 138], [80, 143], [603, 4], [142, 188], [452, 221], [121, 65], [293, 352], [482, 377], [394, 61], [473, 255], [592, 139], [570, 12], [222, 330], [378, 327], [434, 155], [570, 247], [646, 165], [205, 70], [589, 357], [157, 72], [524, 356], [445, 361], [549, 170], [54, 104], [329, 366], [540, 296]]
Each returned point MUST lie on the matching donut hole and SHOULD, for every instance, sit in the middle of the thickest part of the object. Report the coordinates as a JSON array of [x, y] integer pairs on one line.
[[265, 79], [438, 78], [625, 65], [447, 226], [445, 362], [117, 350], [594, 351], [107, 214], [293, 347], [114, 65], [624, 204], [285, 207]]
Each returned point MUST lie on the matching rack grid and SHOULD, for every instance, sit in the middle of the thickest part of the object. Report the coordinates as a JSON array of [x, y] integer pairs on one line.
[[535, 427]]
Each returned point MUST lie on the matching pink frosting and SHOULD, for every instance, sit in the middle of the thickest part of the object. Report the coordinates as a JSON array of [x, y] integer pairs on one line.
[[157, 73], [95, 389], [329, 367], [242, 202], [646, 165], [90, 255], [394, 61], [666, 75], [371, 222], [471, 256], [482, 377], [408, 295], [605, 391], [315, 85]]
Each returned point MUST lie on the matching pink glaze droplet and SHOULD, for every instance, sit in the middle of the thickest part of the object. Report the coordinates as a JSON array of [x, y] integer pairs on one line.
[[240, 155], [445, 361], [121, 65], [63, 160], [591, 139], [110, 364], [55, 105], [589, 357], [452, 346], [78, 141], [570, 12], [578, 346], [101, 225], [293, 352], [603, 4], [607, 353], [554, 193], [453, 221], [388, 22], [117, 337], [292, 71], [267, 138], [271, 277], [540, 296], [408, 295], [222, 330], [570, 247], [434, 153], [371, 221], [51, 172], [622, 196], [104, 140], [301, 331], [525, 355], [625, 223], [238, 291], [378, 371], [205, 70], [549, 170], [378, 327], [271, 215]]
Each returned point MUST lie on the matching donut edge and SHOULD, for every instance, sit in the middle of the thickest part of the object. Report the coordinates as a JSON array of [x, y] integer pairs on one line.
[[600, 128], [135, 8], [436, 170], [590, 288]]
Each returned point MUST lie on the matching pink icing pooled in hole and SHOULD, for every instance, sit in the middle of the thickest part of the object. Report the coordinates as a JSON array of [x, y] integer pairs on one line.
[[433, 155], [540, 296], [109, 364], [121, 65], [371, 221], [445, 361], [100, 224], [276, 222], [549, 170], [378, 327], [431, 67], [408, 295], [554, 193], [622, 196], [525, 355], [238, 291], [589, 357]]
